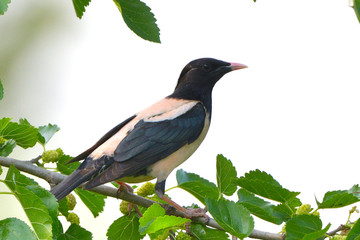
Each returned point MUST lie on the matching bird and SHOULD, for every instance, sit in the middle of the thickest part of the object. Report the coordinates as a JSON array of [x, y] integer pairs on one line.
[[153, 142]]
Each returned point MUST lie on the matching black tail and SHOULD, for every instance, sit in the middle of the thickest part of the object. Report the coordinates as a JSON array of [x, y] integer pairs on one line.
[[87, 170]]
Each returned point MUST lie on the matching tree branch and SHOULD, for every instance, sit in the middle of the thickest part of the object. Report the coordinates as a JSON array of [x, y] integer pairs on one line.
[[53, 178]]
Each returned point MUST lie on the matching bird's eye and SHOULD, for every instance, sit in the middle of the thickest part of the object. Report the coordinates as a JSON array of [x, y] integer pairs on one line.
[[205, 67]]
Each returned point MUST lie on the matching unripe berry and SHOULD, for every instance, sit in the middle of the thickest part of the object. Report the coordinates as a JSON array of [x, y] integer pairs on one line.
[[60, 152], [124, 207], [71, 201], [338, 237], [51, 156], [73, 218], [303, 209], [2, 141], [146, 189], [316, 213], [182, 236], [354, 209]]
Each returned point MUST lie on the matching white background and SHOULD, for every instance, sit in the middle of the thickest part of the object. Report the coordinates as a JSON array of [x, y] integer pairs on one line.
[[293, 113]]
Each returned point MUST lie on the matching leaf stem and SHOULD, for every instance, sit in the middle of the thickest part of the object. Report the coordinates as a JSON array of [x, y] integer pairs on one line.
[[7, 193], [171, 188]]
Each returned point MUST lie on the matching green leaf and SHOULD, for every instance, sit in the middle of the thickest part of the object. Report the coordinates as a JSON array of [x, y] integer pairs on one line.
[[75, 232], [154, 220], [64, 168], [197, 186], [306, 227], [125, 227], [318, 234], [64, 207], [3, 123], [24, 135], [259, 207], [165, 222], [7, 148], [15, 229], [233, 217], [355, 190], [79, 6], [51, 204], [265, 185], [33, 205], [357, 8], [46, 132], [288, 209], [94, 201], [139, 18], [225, 175], [201, 232], [24, 121], [354, 233], [3, 8], [1, 86], [149, 216], [337, 199]]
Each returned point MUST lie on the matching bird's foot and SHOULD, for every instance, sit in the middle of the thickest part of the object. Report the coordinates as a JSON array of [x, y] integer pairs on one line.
[[125, 187], [196, 212]]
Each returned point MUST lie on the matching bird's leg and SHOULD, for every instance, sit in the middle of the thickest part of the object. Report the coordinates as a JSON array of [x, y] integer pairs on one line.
[[190, 213], [128, 188]]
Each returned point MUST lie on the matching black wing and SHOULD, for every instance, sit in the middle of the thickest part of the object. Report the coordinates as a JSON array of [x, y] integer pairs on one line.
[[150, 142]]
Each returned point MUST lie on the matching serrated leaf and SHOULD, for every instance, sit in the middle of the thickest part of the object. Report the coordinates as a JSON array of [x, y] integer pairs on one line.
[[287, 209], [357, 9], [154, 220], [3, 8], [232, 217], [18, 178], [263, 184], [46, 132], [3, 123], [165, 222], [260, 207], [318, 234], [46, 197], [24, 121], [51, 204], [1, 86], [196, 185], [64, 168], [95, 202], [355, 190], [305, 227], [79, 6], [225, 175], [24, 135], [354, 233], [125, 227], [75, 232], [149, 216], [7, 148], [201, 232], [34, 207], [139, 18], [15, 229], [337, 199]]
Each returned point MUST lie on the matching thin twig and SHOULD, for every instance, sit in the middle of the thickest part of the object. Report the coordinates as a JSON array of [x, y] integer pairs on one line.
[[53, 178], [338, 229]]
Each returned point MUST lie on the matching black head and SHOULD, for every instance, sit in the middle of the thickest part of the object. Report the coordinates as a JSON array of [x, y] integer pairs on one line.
[[199, 77]]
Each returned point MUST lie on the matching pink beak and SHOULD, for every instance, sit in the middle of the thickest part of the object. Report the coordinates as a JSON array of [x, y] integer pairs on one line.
[[236, 66]]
